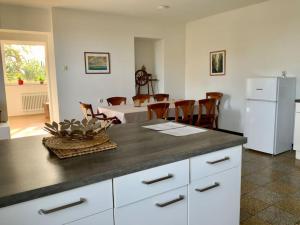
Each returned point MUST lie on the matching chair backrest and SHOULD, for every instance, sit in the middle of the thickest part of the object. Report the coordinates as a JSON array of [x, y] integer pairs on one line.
[[161, 97], [140, 99], [116, 101], [87, 110], [187, 109], [207, 112], [215, 95], [160, 110]]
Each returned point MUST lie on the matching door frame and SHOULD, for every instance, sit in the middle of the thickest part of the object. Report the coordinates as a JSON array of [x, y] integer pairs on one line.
[[18, 37]]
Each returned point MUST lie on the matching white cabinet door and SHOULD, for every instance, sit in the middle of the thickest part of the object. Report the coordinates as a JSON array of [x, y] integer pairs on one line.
[[297, 132], [166, 209], [215, 200], [260, 125], [104, 218]]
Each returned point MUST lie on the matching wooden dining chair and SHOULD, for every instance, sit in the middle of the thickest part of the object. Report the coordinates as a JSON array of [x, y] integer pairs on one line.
[[161, 97], [218, 96], [187, 109], [140, 99], [206, 113], [159, 109], [116, 101], [88, 113]]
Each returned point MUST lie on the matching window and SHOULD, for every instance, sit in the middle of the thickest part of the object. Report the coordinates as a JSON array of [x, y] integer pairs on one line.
[[24, 62]]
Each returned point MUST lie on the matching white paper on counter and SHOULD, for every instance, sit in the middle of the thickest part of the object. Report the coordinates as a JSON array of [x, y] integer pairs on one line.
[[184, 131], [164, 126]]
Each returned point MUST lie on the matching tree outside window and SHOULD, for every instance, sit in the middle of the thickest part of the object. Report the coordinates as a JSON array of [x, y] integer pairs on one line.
[[24, 62]]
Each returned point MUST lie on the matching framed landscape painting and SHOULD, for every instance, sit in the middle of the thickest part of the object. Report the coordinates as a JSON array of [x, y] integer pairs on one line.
[[218, 63], [97, 62]]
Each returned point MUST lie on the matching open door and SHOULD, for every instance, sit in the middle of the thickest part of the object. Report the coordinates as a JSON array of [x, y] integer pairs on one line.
[[3, 108]]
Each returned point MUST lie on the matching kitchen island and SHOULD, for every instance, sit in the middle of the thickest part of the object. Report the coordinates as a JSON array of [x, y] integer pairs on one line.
[[151, 178]]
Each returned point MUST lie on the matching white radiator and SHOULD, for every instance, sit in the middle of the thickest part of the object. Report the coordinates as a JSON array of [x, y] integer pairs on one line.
[[34, 102]]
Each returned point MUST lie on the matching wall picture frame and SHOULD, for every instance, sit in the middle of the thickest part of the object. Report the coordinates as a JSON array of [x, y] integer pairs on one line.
[[218, 63], [97, 62]]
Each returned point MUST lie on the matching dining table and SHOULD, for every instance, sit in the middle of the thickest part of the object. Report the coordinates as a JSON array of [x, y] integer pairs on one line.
[[129, 113]]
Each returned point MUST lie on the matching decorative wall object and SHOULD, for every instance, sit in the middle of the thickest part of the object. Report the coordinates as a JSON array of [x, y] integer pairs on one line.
[[218, 63], [97, 62]]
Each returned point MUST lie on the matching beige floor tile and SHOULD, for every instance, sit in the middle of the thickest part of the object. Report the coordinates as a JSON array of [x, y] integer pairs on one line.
[[277, 216], [290, 205], [255, 221], [281, 187], [252, 205]]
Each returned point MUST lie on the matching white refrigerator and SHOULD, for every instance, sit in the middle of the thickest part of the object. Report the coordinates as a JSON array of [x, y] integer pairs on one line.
[[270, 108]]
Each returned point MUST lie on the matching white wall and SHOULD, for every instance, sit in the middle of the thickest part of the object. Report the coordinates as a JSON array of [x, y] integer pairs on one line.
[[159, 65], [78, 31], [261, 40], [24, 18]]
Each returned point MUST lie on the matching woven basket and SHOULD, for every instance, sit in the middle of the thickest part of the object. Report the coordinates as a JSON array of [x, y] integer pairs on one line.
[[66, 148]]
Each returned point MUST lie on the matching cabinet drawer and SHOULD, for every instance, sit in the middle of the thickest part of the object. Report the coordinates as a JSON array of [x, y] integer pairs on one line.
[[105, 218], [143, 184], [81, 202], [205, 165], [297, 107], [219, 193], [172, 210]]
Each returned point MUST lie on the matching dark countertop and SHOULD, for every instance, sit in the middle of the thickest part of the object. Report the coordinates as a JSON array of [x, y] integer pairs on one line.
[[28, 171], [297, 100]]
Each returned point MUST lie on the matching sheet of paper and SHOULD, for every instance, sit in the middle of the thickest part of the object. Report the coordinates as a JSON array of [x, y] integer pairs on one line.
[[183, 131], [164, 126]]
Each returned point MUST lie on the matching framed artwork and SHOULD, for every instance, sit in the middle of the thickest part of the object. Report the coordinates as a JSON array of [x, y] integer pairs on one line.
[[218, 63], [97, 62]]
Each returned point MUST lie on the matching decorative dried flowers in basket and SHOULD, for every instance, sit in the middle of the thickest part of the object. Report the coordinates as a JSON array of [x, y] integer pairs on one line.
[[73, 137]]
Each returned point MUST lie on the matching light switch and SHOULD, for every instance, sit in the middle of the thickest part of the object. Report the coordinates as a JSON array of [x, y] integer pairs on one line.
[[66, 68]]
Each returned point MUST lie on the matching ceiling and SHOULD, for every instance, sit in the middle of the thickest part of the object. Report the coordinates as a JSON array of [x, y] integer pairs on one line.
[[180, 10]]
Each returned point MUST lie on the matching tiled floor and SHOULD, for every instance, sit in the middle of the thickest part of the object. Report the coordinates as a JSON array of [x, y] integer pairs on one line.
[[24, 126], [270, 189]]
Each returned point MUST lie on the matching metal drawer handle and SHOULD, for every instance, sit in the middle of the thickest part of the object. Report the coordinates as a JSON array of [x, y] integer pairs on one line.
[[216, 184], [169, 176], [259, 89], [218, 161], [48, 211], [161, 205]]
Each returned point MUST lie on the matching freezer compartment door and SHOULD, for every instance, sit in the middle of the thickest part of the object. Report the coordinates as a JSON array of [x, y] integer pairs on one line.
[[262, 89], [260, 125]]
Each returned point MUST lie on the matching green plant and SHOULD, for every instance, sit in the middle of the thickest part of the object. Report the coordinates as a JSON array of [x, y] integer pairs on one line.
[[19, 66], [19, 77], [41, 78], [14, 62]]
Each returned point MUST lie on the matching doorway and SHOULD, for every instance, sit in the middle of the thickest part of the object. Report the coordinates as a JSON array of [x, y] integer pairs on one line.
[[26, 87], [149, 57]]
